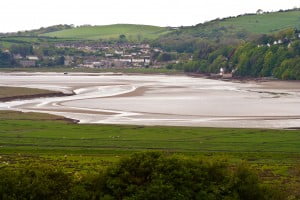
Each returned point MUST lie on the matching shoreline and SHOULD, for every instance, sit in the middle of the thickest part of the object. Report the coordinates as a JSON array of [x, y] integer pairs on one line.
[[129, 72], [265, 83], [34, 96]]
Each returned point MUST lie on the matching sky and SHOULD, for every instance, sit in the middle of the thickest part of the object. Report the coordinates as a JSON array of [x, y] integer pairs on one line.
[[18, 15]]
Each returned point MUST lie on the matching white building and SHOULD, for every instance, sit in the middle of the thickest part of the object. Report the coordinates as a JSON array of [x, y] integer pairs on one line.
[[32, 58]]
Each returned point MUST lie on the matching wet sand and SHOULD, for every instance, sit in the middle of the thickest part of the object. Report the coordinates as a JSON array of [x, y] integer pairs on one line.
[[161, 100], [283, 85]]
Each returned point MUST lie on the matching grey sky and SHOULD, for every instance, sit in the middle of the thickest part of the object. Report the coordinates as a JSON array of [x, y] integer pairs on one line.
[[28, 14]]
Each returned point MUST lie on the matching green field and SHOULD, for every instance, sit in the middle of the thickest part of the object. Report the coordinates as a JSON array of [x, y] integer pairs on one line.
[[244, 27], [258, 24], [8, 41], [31, 139], [60, 137], [265, 23], [132, 32], [23, 132]]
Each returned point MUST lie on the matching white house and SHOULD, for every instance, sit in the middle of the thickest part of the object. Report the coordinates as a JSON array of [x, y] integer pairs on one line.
[[32, 58], [221, 71]]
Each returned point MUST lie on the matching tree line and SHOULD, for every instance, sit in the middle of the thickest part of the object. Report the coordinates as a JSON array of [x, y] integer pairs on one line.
[[270, 55]]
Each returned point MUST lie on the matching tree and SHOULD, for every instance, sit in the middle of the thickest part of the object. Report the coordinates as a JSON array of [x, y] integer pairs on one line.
[[259, 11], [164, 57], [122, 38], [6, 60], [23, 50], [218, 63]]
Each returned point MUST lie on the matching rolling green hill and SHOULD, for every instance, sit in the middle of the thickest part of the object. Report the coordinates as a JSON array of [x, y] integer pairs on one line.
[[231, 30], [132, 32], [265, 23], [241, 27]]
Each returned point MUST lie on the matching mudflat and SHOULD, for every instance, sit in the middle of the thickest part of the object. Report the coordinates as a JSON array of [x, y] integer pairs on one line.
[[161, 100]]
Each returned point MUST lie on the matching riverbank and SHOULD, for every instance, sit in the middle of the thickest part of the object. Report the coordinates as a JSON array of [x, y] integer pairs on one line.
[[94, 70], [266, 82], [23, 93]]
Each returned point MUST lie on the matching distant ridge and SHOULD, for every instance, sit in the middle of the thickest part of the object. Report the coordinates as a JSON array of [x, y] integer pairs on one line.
[[131, 31], [241, 27], [234, 29]]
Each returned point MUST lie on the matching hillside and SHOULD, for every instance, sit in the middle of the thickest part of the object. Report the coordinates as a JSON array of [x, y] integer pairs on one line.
[[231, 30], [265, 23], [132, 32]]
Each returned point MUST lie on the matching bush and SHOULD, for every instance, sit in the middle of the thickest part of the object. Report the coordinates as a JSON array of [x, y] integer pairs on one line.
[[141, 176], [43, 183], [155, 176]]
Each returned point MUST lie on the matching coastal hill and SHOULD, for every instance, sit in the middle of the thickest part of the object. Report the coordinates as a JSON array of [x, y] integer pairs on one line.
[[259, 23], [131, 31], [265, 23], [240, 27]]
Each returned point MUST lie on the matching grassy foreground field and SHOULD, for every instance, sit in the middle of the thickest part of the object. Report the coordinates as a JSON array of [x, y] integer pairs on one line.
[[50, 136], [31, 139], [60, 137]]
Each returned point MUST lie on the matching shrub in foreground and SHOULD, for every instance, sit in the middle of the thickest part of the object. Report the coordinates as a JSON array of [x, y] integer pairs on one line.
[[155, 176], [141, 176]]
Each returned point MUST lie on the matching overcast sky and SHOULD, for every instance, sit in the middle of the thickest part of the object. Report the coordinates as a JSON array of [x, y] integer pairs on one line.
[[29, 14]]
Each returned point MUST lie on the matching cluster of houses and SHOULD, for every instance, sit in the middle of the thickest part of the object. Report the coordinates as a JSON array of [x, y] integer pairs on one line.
[[109, 62], [28, 61], [281, 41], [97, 55], [112, 55]]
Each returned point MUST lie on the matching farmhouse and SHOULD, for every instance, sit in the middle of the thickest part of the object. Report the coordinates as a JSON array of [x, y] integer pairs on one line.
[[32, 58], [27, 63]]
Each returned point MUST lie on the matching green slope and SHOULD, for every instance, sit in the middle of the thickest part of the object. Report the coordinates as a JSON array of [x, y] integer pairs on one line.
[[132, 32], [265, 23], [241, 27]]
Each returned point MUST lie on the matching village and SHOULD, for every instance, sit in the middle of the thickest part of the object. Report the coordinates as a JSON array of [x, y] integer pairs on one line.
[[92, 55]]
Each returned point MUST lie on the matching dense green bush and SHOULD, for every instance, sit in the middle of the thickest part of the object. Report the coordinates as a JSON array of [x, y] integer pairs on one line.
[[154, 176], [141, 176], [42, 183]]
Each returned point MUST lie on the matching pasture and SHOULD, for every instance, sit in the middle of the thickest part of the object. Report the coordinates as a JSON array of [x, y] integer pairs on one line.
[[32, 139]]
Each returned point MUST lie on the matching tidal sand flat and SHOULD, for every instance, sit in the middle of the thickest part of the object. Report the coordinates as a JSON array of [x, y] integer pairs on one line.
[[109, 98]]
